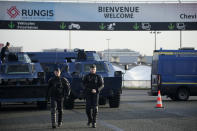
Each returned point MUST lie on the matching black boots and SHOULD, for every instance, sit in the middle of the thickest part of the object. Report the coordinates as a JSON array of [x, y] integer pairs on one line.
[[92, 115], [59, 124], [53, 118], [93, 125], [53, 125], [89, 115], [60, 118], [89, 122]]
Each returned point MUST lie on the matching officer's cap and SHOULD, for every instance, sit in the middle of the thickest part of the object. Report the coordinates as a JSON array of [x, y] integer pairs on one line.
[[93, 66], [57, 69]]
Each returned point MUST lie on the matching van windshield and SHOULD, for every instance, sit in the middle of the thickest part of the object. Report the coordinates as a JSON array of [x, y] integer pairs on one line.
[[24, 58], [18, 69], [49, 67], [155, 64], [99, 67]]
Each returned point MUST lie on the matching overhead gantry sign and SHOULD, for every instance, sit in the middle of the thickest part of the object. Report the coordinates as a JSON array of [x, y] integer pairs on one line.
[[98, 16]]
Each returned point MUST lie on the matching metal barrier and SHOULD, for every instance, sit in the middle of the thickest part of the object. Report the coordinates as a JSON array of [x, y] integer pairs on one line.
[[136, 84]]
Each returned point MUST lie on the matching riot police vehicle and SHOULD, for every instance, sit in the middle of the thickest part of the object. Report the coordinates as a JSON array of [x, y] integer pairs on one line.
[[75, 64], [174, 72], [21, 80]]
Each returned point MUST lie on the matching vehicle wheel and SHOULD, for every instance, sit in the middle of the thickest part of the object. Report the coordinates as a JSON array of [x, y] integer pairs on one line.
[[42, 105], [102, 101], [25, 103], [41, 81], [69, 103], [35, 81], [183, 94], [114, 101]]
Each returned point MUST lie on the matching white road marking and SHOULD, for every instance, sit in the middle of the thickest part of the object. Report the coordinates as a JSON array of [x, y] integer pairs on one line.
[[110, 126]]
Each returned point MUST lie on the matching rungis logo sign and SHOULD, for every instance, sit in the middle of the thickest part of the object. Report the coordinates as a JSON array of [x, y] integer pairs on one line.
[[13, 12]]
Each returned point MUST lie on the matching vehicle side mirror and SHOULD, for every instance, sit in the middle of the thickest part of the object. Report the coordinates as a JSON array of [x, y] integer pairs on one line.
[[126, 67], [32, 68], [67, 68], [118, 73], [47, 69]]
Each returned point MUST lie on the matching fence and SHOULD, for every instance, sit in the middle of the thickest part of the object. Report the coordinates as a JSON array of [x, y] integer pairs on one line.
[[136, 84]]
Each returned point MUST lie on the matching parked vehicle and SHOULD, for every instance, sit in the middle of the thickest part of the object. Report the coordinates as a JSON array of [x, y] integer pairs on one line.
[[74, 66], [174, 72], [22, 81]]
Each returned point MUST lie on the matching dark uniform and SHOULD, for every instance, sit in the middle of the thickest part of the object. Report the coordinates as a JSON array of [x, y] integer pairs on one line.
[[92, 81], [58, 89], [4, 53]]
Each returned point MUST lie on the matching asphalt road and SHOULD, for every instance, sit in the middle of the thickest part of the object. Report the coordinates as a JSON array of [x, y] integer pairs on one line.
[[137, 112]]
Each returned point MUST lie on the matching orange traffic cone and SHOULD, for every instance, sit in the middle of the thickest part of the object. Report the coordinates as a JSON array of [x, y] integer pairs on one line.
[[159, 101]]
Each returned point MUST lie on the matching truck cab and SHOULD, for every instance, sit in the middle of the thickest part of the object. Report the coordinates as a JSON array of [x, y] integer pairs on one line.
[[21, 80], [19, 70]]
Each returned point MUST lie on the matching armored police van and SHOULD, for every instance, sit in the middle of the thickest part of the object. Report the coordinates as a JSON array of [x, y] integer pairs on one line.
[[21, 80], [74, 65], [174, 72]]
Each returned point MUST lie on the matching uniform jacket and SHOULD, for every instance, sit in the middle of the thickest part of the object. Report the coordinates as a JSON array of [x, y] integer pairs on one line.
[[92, 81], [58, 87], [4, 51]]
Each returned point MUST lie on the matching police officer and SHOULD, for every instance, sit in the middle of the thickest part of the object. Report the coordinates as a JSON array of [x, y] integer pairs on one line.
[[58, 88], [93, 84], [5, 52]]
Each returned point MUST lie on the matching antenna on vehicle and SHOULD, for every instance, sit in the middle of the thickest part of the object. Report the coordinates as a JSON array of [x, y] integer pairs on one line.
[[56, 56]]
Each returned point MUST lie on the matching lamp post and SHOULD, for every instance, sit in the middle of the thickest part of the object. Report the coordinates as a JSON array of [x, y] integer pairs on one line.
[[180, 39], [108, 48], [69, 40], [155, 33]]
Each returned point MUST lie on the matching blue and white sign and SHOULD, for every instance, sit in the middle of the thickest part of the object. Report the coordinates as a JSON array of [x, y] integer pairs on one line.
[[143, 16], [98, 12]]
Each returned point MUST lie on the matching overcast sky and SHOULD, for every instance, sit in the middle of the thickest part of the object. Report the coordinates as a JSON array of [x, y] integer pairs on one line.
[[141, 41]]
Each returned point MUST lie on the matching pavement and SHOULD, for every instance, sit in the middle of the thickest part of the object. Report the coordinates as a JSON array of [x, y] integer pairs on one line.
[[137, 112]]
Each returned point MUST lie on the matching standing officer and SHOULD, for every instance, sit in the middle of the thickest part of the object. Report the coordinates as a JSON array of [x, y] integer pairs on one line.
[[5, 52], [58, 88], [93, 84]]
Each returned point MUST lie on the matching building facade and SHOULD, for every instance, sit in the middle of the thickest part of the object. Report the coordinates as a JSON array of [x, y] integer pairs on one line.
[[121, 56]]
